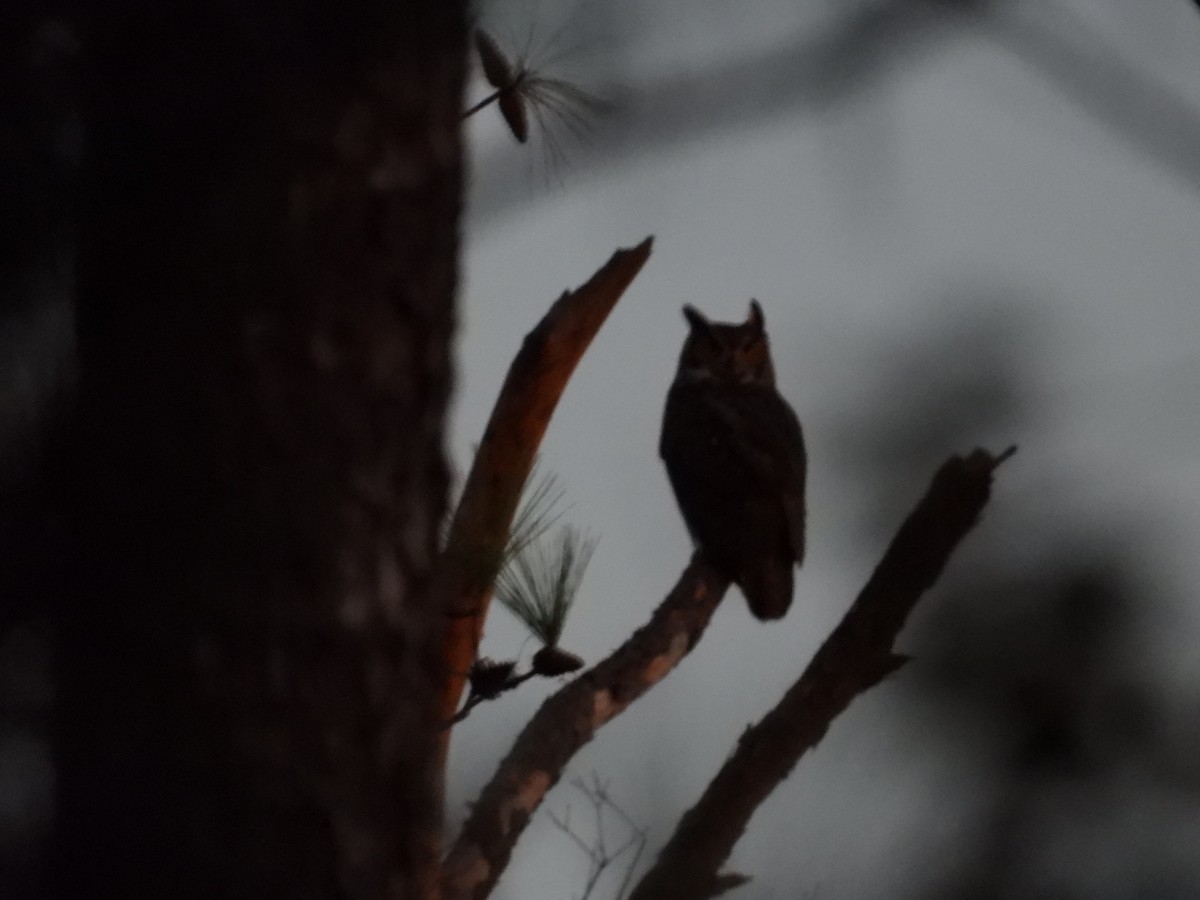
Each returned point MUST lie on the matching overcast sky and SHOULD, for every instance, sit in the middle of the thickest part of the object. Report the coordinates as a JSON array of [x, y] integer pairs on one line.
[[917, 199]]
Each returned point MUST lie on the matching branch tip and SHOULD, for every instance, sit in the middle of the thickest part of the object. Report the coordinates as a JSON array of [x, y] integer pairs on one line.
[[888, 666], [984, 460], [1006, 454], [728, 881]]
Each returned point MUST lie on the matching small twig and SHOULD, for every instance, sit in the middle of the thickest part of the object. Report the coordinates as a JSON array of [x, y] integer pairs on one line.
[[598, 812], [564, 825], [474, 700], [484, 103], [597, 852], [854, 658], [627, 881]]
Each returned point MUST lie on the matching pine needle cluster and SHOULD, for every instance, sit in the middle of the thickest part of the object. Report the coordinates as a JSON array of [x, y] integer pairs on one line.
[[541, 583], [525, 90]]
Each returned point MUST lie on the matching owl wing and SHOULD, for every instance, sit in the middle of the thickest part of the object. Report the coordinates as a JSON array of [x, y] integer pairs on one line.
[[756, 424], [768, 436]]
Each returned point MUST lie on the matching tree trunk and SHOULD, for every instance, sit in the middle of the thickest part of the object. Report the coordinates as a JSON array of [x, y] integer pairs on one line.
[[266, 286]]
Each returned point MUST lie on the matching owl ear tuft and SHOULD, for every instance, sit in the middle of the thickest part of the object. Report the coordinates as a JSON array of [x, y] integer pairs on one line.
[[696, 319], [755, 317]]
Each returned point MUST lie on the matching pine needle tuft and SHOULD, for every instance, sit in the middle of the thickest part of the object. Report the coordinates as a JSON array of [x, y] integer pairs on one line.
[[540, 509], [541, 582], [525, 88]]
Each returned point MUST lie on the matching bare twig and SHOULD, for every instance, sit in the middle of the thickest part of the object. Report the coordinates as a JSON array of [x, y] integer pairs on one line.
[[479, 531], [623, 890], [597, 852], [474, 699], [566, 722], [855, 657]]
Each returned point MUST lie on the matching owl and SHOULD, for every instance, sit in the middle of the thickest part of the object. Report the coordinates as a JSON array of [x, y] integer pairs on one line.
[[735, 457]]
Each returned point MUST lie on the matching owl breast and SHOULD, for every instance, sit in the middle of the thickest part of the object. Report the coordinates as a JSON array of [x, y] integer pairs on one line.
[[735, 459]]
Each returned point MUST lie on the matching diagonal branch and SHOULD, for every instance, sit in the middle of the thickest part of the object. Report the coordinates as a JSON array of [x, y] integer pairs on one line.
[[479, 531], [566, 722], [855, 657]]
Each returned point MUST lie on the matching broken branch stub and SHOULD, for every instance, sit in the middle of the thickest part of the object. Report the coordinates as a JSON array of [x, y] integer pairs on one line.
[[481, 523]]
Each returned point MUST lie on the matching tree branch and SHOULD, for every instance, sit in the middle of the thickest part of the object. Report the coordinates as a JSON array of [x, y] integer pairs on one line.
[[567, 721], [535, 381], [855, 657]]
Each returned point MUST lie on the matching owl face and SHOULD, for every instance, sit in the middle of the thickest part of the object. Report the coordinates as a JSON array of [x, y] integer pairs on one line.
[[725, 352]]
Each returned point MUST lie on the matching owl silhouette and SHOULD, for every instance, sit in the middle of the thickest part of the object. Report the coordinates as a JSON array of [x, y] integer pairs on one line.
[[735, 457]]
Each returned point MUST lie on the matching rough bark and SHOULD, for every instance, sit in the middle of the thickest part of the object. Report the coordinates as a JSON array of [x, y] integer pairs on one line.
[[566, 722], [855, 657], [266, 284]]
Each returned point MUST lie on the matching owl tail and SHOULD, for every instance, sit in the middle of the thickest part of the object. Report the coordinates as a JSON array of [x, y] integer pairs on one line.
[[768, 588]]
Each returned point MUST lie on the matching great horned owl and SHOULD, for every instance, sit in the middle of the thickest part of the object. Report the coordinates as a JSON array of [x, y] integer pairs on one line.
[[735, 457]]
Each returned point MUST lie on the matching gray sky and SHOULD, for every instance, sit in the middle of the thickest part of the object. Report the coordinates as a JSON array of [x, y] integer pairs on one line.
[[1038, 170]]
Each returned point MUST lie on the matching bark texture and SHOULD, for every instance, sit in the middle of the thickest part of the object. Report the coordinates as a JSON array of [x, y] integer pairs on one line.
[[267, 272]]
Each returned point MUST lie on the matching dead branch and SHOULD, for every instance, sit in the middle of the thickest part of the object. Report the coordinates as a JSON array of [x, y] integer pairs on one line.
[[856, 656], [481, 523], [567, 721]]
